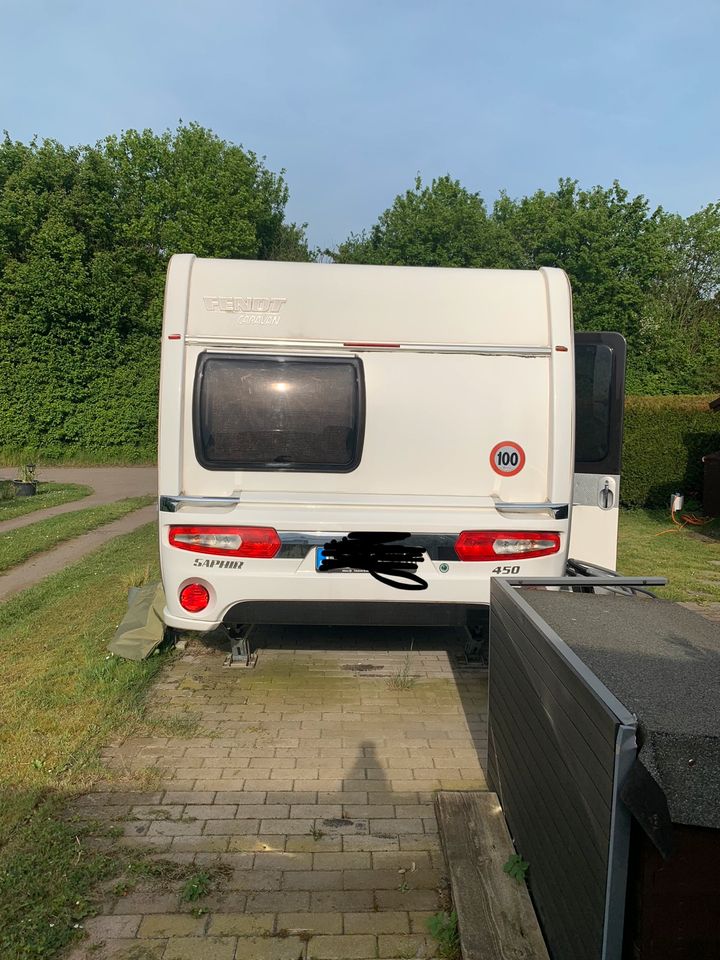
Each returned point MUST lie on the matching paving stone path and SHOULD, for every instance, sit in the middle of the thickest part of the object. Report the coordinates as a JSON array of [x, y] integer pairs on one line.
[[311, 778]]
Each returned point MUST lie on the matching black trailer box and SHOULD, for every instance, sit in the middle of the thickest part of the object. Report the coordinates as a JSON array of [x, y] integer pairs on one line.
[[558, 660]]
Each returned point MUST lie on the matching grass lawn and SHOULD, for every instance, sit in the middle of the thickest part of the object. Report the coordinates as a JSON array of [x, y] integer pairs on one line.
[[19, 545], [60, 699], [70, 456], [650, 544], [48, 495]]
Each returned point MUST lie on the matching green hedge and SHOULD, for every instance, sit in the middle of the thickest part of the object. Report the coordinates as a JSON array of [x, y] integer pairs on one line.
[[665, 440]]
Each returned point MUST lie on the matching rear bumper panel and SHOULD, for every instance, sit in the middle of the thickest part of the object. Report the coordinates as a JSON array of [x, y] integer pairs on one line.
[[288, 588], [351, 613], [268, 591]]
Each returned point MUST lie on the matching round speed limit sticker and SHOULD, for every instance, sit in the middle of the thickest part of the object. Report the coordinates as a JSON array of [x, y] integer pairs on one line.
[[507, 458]]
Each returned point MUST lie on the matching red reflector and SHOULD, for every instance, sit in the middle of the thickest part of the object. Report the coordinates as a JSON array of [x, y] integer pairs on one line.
[[261, 543], [502, 544], [388, 346], [194, 598], [174, 336]]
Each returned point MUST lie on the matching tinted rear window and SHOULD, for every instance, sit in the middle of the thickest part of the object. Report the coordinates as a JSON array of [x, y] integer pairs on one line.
[[278, 413], [593, 383]]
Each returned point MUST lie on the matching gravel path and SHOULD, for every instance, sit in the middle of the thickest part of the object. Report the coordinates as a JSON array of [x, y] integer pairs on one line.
[[109, 485]]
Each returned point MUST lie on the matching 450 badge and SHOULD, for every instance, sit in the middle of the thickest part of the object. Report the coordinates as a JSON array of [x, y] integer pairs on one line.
[[220, 564]]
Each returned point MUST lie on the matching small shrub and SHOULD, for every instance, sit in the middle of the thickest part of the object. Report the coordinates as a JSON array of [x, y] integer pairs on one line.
[[516, 867], [197, 886]]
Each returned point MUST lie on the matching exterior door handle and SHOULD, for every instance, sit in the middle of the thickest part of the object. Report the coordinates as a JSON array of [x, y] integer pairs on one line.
[[606, 496]]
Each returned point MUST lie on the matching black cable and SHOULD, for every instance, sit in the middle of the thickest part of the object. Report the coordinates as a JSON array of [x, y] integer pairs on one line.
[[384, 559]]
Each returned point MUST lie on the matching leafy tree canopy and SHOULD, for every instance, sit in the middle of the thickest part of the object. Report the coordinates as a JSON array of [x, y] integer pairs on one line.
[[652, 275], [85, 236]]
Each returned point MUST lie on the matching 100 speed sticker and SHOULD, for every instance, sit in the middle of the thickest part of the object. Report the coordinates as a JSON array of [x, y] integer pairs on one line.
[[507, 458]]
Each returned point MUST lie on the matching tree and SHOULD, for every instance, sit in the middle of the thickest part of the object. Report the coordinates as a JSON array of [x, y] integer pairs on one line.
[[650, 275], [85, 236], [441, 225], [609, 244], [679, 350]]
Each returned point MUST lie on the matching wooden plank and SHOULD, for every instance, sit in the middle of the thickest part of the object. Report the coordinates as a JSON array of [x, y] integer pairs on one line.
[[496, 920]]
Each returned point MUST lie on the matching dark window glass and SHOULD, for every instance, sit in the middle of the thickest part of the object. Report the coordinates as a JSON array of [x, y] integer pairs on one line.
[[593, 383], [278, 413]]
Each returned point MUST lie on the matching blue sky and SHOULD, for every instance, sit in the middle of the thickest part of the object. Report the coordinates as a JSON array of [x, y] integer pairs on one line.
[[354, 99]]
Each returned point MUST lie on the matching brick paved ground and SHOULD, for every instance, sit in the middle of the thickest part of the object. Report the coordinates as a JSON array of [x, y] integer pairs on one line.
[[711, 611], [312, 780]]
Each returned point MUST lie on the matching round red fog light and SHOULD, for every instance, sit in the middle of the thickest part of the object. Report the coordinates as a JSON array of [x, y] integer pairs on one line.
[[194, 598]]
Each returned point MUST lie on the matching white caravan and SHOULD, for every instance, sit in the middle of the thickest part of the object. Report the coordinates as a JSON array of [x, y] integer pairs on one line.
[[430, 410]]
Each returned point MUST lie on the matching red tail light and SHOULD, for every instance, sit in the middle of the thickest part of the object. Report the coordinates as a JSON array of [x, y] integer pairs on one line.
[[194, 598], [257, 542], [504, 545]]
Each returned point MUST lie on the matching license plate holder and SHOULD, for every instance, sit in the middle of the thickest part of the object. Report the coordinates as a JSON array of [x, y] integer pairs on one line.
[[320, 555]]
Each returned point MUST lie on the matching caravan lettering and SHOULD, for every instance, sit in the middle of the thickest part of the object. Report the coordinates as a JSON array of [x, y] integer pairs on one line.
[[245, 304], [220, 564]]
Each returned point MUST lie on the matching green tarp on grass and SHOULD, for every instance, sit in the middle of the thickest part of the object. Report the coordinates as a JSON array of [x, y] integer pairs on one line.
[[142, 629]]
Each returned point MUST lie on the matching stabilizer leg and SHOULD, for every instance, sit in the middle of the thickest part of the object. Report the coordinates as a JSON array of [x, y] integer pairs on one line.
[[477, 644], [241, 654]]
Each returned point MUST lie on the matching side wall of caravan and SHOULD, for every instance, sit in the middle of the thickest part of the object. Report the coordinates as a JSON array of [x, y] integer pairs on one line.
[[172, 376]]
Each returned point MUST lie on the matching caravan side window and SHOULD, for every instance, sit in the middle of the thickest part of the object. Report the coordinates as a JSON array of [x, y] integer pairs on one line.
[[599, 400], [593, 380], [278, 412]]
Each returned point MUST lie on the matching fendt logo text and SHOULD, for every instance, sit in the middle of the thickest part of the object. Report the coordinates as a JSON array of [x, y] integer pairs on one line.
[[260, 310]]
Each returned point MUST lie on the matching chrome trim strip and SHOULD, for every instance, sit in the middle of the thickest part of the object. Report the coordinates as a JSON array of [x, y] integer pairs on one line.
[[298, 543], [559, 511], [337, 345], [171, 504], [310, 537]]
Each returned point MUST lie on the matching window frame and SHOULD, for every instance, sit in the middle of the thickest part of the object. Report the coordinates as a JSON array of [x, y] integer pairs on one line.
[[270, 467]]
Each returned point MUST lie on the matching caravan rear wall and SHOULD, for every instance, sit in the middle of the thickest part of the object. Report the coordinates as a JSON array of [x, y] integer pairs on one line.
[[301, 402]]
